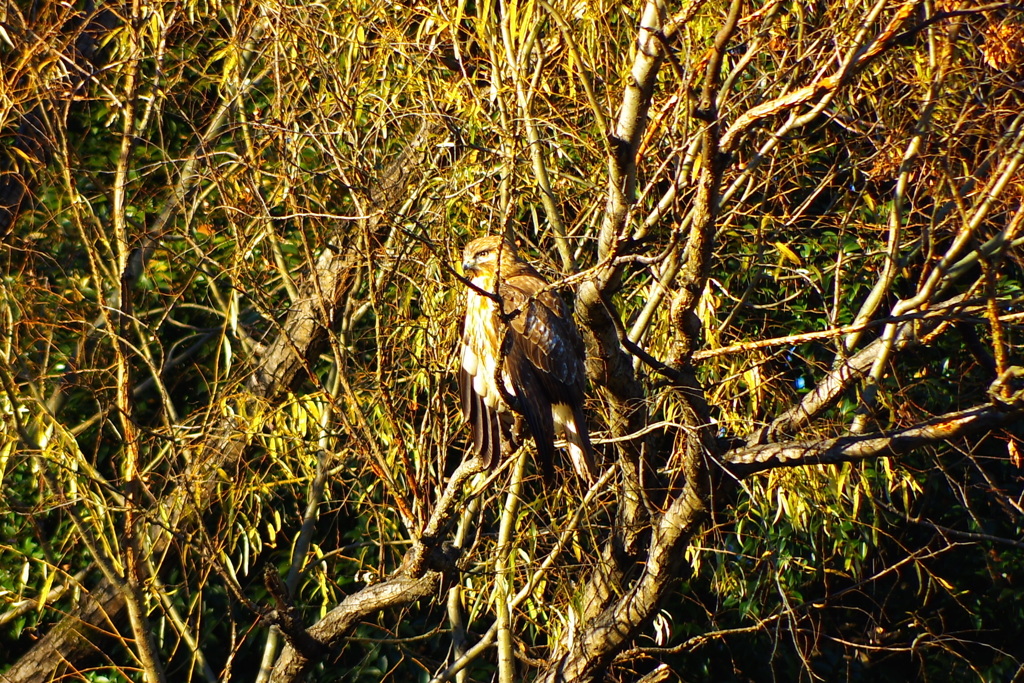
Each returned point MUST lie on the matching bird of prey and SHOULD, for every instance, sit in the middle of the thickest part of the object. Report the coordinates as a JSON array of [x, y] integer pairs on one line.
[[521, 352]]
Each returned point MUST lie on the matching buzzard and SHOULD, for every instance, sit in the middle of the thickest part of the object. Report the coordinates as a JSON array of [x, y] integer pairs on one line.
[[521, 352]]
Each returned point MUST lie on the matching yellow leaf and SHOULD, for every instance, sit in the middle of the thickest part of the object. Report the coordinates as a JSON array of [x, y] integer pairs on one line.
[[788, 254], [856, 499], [23, 155], [44, 592], [841, 475]]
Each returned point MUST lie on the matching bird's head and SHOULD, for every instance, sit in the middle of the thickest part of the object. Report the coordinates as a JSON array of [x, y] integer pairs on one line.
[[487, 255]]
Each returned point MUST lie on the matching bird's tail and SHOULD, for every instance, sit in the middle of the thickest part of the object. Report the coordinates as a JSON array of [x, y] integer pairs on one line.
[[573, 426]]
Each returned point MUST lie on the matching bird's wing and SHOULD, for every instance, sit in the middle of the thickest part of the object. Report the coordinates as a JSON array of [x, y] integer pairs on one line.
[[542, 330], [543, 358]]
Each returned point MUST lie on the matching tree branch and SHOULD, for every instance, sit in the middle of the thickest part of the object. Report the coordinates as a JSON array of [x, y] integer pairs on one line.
[[398, 591], [744, 462]]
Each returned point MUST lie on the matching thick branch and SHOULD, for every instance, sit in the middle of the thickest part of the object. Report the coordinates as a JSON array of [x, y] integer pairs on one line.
[[330, 631], [602, 638], [744, 462], [610, 365]]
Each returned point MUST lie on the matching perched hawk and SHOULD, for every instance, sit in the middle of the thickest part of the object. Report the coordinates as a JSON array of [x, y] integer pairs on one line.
[[523, 337]]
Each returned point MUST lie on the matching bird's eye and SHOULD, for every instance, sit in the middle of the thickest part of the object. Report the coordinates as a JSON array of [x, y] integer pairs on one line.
[[483, 253]]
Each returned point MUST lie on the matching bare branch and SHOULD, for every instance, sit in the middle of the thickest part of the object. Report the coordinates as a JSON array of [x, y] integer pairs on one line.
[[330, 631], [754, 459]]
